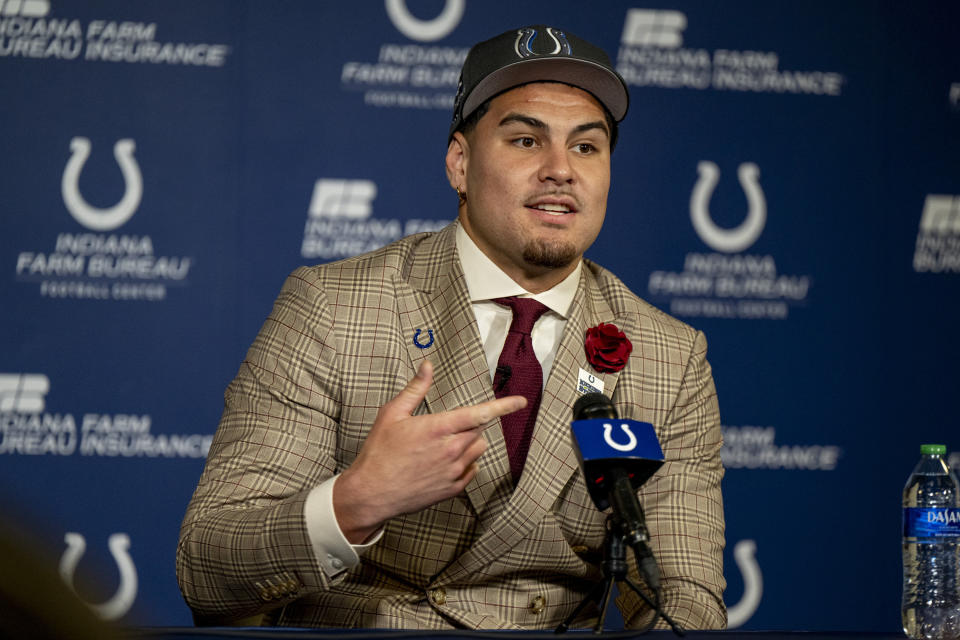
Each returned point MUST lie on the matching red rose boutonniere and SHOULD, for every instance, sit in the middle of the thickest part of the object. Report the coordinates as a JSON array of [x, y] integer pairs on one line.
[[607, 348]]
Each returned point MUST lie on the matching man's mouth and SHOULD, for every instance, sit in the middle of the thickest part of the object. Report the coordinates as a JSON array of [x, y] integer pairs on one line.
[[553, 207]]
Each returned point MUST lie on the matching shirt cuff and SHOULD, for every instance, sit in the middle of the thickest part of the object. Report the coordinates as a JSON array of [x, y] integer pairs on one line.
[[333, 551]]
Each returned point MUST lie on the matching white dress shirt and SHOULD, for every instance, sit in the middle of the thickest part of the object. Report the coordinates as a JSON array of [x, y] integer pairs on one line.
[[484, 281]]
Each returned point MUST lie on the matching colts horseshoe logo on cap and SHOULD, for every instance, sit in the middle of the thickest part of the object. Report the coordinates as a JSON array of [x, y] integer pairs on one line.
[[525, 38]]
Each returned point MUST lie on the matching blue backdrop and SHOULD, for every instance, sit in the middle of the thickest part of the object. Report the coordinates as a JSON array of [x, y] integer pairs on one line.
[[787, 180]]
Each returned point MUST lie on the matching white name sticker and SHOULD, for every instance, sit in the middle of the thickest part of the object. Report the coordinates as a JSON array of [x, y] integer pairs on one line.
[[589, 383]]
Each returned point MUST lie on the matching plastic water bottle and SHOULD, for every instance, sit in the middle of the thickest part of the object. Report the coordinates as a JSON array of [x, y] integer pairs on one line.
[[931, 539]]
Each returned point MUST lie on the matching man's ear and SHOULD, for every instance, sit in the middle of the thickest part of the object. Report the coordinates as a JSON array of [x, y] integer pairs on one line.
[[458, 156]]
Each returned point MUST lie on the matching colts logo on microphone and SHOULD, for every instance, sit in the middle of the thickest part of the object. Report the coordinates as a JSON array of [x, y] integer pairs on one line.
[[631, 443], [603, 443], [605, 438]]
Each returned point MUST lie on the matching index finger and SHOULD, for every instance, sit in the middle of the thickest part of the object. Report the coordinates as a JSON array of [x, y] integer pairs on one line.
[[466, 418]]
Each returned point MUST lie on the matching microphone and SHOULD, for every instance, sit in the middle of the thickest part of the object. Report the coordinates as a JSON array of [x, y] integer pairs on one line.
[[617, 456], [609, 448]]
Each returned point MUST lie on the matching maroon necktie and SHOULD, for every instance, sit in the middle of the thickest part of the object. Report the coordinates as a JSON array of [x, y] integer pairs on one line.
[[519, 374]]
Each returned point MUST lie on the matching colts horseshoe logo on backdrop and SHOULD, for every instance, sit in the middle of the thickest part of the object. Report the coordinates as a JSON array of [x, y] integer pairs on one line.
[[745, 553], [425, 30], [119, 545], [93, 217], [728, 240]]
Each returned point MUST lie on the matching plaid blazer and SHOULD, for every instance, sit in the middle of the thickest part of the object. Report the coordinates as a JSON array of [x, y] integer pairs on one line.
[[338, 345]]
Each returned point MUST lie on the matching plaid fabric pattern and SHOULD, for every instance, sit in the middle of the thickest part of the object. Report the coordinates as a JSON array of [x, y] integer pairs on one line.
[[339, 344]]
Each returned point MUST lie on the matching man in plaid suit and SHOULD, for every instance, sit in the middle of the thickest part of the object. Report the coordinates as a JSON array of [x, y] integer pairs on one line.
[[360, 475]]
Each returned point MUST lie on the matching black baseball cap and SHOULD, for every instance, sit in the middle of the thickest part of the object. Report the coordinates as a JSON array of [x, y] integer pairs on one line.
[[537, 53]]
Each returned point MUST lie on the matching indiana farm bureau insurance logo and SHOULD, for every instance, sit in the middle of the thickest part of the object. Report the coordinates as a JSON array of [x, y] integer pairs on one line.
[[938, 238], [28, 427], [652, 54], [33, 30], [340, 221]]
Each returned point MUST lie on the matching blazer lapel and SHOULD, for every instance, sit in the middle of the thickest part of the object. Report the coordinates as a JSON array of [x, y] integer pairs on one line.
[[551, 461], [438, 305]]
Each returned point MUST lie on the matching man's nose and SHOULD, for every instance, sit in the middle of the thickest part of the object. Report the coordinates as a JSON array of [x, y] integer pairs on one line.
[[556, 166]]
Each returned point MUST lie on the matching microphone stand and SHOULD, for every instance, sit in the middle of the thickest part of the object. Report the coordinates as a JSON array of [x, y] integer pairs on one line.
[[615, 571]]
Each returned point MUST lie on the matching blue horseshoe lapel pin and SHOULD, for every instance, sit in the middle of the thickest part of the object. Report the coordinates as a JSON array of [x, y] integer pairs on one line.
[[416, 339]]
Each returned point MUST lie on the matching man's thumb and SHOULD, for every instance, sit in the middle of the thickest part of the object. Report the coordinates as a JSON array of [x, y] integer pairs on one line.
[[416, 390]]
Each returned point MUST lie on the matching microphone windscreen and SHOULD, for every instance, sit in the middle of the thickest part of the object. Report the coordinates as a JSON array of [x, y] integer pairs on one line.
[[593, 405]]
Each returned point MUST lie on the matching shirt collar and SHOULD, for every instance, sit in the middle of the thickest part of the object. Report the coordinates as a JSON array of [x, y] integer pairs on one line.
[[485, 280]]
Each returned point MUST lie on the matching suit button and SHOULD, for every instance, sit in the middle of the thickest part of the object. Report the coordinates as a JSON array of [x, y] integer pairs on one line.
[[262, 591], [578, 548], [439, 596], [538, 604]]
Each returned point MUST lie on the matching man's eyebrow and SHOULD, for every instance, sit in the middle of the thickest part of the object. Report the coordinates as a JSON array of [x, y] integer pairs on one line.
[[599, 124], [519, 117], [540, 124]]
